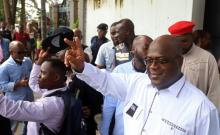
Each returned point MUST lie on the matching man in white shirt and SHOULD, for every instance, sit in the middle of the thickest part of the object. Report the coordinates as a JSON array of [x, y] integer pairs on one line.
[[112, 105], [164, 104], [50, 77]]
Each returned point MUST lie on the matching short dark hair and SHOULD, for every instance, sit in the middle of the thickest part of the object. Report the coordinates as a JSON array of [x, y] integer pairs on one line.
[[58, 66], [114, 24], [103, 26], [128, 23]]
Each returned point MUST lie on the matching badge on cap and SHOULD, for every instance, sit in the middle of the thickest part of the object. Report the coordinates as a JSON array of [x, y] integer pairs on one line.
[[56, 40]]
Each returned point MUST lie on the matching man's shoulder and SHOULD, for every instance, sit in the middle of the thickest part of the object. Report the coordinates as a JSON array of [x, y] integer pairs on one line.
[[198, 54], [124, 68], [106, 48], [94, 38], [27, 60], [197, 97], [107, 45], [8, 62], [6, 65]]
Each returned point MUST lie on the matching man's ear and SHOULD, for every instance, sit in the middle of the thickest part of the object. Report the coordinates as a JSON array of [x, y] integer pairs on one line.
[[133, 52], [56, 77]]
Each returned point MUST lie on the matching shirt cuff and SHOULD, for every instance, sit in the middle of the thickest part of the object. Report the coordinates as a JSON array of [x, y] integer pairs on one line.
[[85, 70]]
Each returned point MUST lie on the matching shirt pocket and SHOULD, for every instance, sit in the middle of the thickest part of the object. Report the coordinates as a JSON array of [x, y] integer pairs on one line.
[[169, 128]]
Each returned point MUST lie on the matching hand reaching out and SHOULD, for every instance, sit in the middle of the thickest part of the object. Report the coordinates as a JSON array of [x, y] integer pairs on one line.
[[42, 56], [74, 57], [21, 83]]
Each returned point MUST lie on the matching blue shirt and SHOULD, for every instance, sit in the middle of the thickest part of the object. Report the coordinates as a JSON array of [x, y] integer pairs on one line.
[[10, 73], [112, 105]]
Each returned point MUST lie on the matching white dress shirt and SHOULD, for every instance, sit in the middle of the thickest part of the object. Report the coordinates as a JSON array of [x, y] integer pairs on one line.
[[46, 110], [180, 109], [112, 105]]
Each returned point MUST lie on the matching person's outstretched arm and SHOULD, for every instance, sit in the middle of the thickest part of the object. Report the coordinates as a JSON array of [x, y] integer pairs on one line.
[[102, 81]]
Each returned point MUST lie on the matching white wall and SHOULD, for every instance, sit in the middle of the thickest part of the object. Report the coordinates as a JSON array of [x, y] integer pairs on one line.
[[151, 17]]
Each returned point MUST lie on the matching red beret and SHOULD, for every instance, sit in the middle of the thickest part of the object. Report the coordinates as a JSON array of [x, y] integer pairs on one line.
[[181, 27]]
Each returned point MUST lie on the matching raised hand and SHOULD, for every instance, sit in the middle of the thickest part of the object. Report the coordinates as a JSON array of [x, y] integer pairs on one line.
[[74, 57], [42, 56]]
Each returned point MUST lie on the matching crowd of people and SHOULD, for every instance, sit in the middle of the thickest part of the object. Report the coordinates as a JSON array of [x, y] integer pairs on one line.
[[169, 85]]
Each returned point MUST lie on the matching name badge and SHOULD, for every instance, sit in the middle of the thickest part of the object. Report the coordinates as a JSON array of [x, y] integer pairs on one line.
[[131, 111]]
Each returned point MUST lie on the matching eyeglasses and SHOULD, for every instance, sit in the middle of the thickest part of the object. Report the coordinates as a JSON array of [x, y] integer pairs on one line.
[[158, 60]]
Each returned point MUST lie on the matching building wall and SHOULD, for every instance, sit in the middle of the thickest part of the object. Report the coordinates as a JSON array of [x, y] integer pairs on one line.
[[198, 13], [151, 17]]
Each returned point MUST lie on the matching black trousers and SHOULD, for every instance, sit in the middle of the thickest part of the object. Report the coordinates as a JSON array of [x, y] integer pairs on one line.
[[5, 127]]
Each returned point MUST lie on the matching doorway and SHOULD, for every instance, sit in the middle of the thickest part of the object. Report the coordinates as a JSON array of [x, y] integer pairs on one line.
[[212, 24]]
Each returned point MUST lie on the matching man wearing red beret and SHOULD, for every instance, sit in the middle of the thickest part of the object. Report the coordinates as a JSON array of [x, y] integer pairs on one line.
[[199, 66]]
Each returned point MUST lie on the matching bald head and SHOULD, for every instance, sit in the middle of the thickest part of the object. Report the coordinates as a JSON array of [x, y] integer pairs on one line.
[[164, 61], [139, 52], [14, 45], [166, 44], [127, 24], [141, 40], [17, 51]]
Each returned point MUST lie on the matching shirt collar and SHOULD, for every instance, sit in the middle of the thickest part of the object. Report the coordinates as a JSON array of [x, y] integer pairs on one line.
[[190, 51], [52, 91], [176, 88]]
